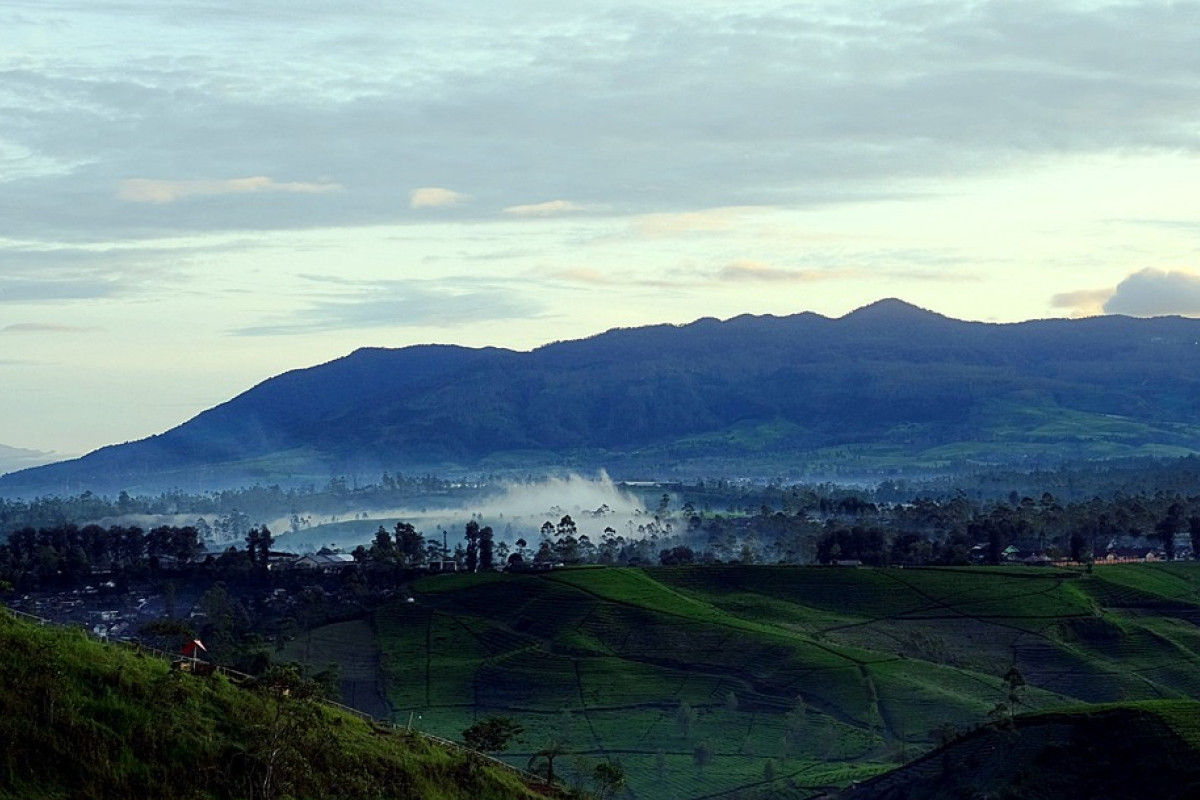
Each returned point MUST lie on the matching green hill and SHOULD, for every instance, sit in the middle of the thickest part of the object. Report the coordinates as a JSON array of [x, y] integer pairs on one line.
[[83, 720], [1132, 751], [701, 680]]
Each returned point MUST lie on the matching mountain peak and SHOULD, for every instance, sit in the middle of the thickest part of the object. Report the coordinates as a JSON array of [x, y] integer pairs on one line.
[[892, 310]]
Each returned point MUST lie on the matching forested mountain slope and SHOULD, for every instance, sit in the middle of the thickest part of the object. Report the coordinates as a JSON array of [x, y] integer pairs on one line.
[[886, 385]]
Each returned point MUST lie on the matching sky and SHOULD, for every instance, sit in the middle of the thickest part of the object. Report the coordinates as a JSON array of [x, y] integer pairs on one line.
[[195, 196]]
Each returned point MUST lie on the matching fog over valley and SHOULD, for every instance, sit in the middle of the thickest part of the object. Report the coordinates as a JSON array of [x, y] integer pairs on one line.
[[513, 510]]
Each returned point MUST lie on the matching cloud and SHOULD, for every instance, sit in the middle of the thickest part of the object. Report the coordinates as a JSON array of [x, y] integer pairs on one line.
[[1146, 293], [40, 327], [435, 197], [148, 190], [1155, 292], [33, 290], [95, 272], [748, 270], [674, 224], [544, 209], [400, 304], [664, 109], [1082, 303]]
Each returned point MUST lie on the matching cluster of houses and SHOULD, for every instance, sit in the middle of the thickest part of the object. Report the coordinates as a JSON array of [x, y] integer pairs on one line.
[[105, 617], [1114, 553], [330, 561]]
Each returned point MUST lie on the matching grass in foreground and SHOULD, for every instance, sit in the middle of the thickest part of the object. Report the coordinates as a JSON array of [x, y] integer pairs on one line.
[[83, 720]]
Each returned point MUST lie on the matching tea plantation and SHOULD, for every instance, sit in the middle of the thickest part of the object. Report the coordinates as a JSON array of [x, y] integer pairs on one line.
[[708, 681]]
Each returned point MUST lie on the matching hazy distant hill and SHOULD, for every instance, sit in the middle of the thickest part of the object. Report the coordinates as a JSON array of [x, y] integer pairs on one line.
[[886, 386], [15, 458]]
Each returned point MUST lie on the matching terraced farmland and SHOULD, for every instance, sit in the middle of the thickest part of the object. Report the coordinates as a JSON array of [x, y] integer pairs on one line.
[[703, 680], [353, 647]]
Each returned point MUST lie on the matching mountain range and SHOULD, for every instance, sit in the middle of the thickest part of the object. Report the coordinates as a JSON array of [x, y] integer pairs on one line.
[[886, 388]]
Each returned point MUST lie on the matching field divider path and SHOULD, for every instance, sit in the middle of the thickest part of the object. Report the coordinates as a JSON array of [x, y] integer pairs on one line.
[[583, 706], [728, 620], [380, 674], [724, 619], [428, 656], [992, 619], [1024, 633]]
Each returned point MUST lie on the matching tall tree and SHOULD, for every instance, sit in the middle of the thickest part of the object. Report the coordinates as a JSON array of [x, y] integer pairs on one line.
[[258, 546], [383, 549], [487, 550], [411, 544], [566, 527], [1166, 528], [472, 535]]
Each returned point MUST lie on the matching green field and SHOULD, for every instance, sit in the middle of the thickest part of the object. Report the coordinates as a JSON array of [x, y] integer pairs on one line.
[[354, 648], [812, 676]]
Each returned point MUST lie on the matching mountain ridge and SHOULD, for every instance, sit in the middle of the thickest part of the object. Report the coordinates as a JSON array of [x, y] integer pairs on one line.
[[745, 394]]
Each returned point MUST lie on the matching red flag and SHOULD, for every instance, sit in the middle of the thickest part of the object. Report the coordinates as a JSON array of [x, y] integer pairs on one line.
[[190, 648]]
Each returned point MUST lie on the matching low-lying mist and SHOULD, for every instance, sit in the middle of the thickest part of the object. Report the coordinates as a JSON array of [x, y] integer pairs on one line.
[[518, 510]]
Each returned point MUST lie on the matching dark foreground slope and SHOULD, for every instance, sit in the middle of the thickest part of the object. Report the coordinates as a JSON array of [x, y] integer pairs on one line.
[[1124, 752], [83, 720], [886, 384]]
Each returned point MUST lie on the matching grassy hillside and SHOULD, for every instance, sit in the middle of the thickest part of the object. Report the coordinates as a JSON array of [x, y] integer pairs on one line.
[[84, 720], [702, 680]]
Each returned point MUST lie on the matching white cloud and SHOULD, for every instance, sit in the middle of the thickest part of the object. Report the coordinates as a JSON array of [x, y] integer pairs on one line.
[[149, 190], [546, 209], [1146, 293], [1082, 303], [675, 224], [1155, 292], [435, 197], [360, 305], [750, 270]]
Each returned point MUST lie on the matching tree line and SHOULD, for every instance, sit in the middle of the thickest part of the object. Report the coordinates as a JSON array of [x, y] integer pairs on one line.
[[67, 555]]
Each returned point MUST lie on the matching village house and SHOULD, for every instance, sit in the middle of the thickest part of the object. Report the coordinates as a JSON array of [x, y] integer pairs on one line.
[[325, 562]]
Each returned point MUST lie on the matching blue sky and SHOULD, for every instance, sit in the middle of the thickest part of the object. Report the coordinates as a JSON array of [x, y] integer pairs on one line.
[[195, 196]]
